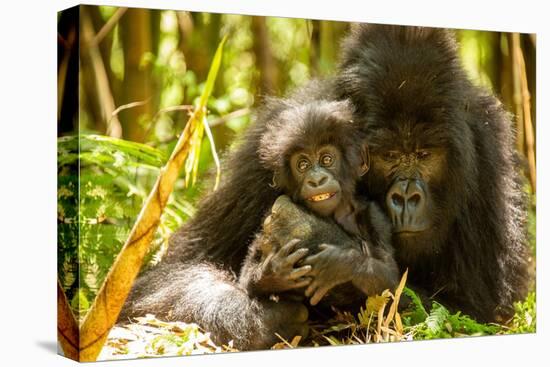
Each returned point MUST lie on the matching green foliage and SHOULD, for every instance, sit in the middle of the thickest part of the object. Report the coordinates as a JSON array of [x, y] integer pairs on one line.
[[478, 56], [181, 344], [440, 323], [103, 183], [525, 318], [436, 320], [418, 312], [96, 214]]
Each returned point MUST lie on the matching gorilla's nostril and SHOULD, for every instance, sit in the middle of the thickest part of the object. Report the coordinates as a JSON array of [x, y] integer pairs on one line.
[[414, 200], [397, 200]]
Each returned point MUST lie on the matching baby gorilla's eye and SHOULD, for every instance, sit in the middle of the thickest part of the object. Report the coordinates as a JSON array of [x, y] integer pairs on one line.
[[303, 164], [422, 154], [327, 160]]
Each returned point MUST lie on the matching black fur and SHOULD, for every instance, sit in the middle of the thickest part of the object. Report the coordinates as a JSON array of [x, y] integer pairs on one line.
[[478, 255], [408, 80]]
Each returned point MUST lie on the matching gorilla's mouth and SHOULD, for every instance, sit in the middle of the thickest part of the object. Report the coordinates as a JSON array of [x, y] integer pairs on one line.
[[411, 232], [321, 197], [408, 233]]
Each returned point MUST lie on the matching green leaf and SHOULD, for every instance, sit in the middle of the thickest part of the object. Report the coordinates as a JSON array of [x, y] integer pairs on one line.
[[212, 74], [213, 150], [437, 317], [199, 117], [419, 313]]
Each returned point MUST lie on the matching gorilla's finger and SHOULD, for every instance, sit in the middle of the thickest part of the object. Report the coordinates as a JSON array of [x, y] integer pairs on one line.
[[319, 294], [311, 289], [301, 283], [311, 260], [297, 255], [289, 247], [299, 272], [267, 261]]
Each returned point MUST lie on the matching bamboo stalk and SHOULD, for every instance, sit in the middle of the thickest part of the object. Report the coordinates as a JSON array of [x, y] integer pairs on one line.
[[107, 27], [63, 68], [516, 94], [528, 122], [522, 103], [103, 89]]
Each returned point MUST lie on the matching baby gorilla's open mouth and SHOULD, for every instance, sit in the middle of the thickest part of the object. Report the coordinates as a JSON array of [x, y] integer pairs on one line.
[[321, 197]]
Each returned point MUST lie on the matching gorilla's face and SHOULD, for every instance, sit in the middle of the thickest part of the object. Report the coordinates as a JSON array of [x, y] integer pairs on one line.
[[410, 170], [316, 173], [412, 97], [411, 179]]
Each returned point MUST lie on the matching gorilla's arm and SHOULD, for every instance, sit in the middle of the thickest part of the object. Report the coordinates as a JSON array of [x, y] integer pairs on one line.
[[376, 273], [370, 268], [371, 273], [379, 270], [195, 281]]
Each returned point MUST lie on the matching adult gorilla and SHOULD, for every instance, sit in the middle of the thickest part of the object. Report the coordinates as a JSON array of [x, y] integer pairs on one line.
[[443, 167]]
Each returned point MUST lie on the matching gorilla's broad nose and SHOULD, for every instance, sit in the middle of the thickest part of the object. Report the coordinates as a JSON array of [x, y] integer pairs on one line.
[[406, 203], [317, 179]]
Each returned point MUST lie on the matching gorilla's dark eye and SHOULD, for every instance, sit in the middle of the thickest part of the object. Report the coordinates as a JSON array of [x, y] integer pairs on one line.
[[327, 160], [303, 164], [422, 154]]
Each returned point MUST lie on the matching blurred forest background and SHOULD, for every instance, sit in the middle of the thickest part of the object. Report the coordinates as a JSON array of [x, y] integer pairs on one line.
[[127, 79]]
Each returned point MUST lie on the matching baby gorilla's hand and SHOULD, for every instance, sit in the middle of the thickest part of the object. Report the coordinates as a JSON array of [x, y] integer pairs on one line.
[[279, 268], [332, 266]]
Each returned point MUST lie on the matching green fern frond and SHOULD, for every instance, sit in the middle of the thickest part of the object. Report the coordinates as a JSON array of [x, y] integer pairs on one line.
[[437, 317]]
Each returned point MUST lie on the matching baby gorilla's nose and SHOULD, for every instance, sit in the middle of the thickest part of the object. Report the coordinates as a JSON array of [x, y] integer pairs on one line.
[[317, 179]]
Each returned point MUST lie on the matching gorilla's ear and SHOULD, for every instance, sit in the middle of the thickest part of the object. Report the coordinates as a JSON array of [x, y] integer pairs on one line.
[[275, 181], [365, 160]]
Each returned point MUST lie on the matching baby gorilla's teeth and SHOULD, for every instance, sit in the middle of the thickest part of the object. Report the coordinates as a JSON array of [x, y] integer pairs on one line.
[[320, 197]]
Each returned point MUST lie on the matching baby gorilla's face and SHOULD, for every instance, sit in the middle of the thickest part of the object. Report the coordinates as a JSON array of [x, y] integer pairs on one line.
[[316, 173]]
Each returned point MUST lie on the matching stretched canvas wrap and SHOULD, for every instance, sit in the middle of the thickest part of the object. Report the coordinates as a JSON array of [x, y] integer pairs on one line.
[[230, 182]]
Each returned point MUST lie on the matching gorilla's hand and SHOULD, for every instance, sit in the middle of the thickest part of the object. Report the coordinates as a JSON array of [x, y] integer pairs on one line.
[[277, 272], [332, 266], [272, 264], [329, 265]]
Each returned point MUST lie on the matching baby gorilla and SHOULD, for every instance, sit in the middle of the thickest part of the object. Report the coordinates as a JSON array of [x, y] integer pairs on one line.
[[316, 154]]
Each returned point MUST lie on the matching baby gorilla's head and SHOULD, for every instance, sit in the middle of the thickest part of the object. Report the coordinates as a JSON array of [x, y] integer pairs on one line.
[[316, 154]]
